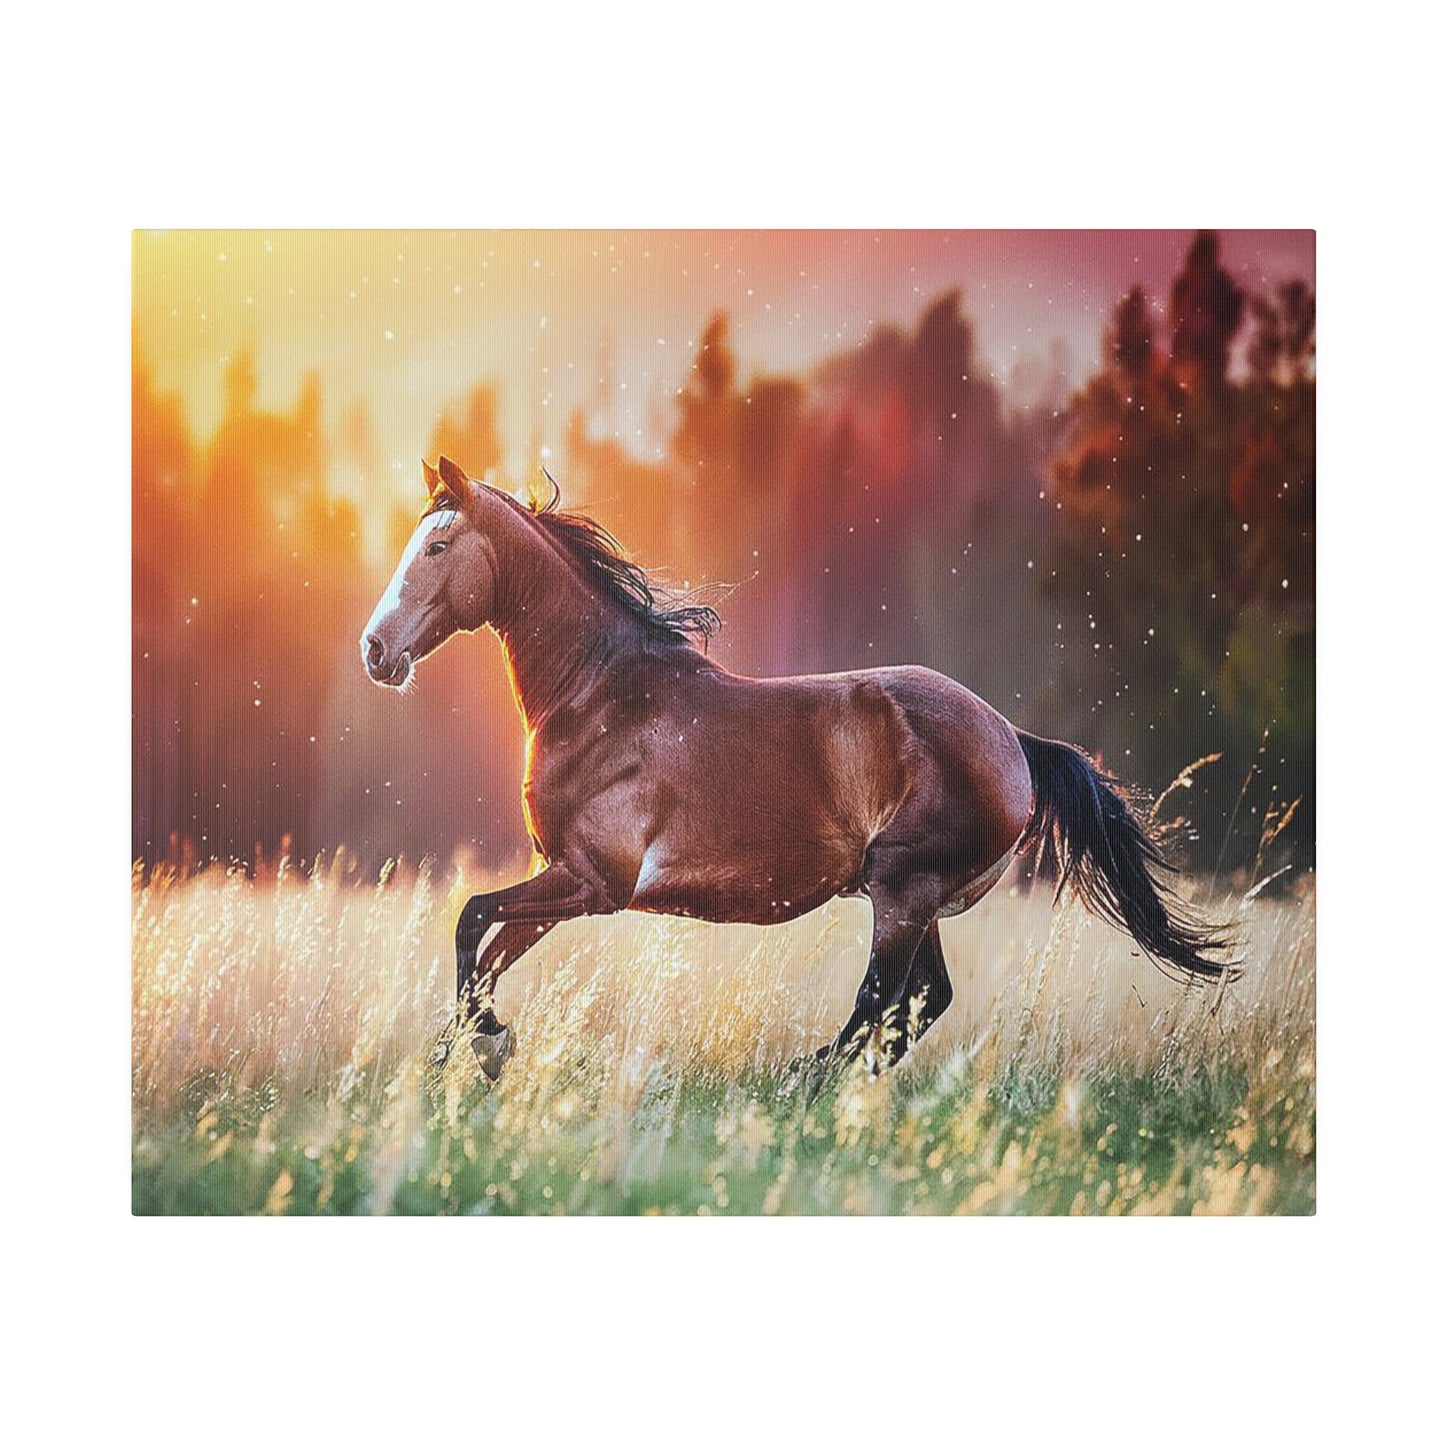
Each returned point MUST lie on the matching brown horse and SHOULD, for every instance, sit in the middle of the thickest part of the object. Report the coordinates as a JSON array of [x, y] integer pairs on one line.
[[659, 781]]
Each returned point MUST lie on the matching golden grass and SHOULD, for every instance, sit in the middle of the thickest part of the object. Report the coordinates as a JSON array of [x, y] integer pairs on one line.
[[314, 989]]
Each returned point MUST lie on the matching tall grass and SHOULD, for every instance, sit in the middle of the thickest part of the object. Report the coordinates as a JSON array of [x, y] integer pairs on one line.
[[282, 1032]]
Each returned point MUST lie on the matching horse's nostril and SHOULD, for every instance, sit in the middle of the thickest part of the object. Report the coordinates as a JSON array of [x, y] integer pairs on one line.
[[375, 652]]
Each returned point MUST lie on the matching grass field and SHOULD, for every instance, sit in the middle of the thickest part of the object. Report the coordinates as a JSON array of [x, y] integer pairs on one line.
[[282, 1031]]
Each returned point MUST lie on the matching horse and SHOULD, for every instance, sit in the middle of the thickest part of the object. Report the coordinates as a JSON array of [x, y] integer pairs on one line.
[[657, 780]]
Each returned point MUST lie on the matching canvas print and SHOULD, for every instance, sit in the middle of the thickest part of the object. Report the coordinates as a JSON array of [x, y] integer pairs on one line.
[[723, 722]]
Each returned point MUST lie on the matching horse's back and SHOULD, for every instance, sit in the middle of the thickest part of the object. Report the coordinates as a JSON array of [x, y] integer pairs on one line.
[[885, 731], [897, 743]]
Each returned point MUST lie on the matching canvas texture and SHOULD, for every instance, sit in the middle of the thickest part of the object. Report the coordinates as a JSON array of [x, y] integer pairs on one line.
[[723, 722]]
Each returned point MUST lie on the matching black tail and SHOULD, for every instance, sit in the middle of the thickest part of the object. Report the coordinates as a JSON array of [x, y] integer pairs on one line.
[[1100, 847]]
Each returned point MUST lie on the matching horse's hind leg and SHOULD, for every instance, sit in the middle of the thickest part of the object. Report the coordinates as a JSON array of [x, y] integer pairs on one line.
[[904, 910], [909, 1010], [929, 990]]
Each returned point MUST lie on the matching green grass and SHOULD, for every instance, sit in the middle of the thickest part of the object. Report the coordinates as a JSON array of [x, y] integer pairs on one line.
[[933, 1140]]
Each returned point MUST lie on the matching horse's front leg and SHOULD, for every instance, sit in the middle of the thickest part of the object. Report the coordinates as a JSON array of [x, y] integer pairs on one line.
[[492, 1040], [521, 914]]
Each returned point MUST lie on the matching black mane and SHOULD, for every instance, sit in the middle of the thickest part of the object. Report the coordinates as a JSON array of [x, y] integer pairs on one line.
[[623, 581]]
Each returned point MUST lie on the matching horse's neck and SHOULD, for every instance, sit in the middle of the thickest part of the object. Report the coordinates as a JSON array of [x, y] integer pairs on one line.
[[556, 631]]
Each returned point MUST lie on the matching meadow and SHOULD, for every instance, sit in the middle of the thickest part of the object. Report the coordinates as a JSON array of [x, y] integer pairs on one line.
[[283, 1028]]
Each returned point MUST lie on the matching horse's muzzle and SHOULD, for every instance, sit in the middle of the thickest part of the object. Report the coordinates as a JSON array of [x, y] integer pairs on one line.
[[379, 667]]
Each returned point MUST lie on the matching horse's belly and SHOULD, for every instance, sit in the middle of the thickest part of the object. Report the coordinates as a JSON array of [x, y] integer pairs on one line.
[[737, 891]]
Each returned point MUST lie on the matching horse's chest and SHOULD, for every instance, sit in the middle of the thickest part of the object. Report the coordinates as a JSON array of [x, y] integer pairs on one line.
[[579, 790]]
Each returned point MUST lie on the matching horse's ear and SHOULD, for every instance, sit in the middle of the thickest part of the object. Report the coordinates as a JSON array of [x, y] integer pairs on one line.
[[433, 477], [455, 480]]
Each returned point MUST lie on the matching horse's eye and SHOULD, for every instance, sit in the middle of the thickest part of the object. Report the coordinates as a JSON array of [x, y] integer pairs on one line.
[[436, 549]]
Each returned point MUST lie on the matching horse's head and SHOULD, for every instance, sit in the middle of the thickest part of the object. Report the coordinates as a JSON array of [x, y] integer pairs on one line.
[[444, 582]]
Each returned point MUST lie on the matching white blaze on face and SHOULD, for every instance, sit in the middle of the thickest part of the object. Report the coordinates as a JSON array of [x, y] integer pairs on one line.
[[391, 598]]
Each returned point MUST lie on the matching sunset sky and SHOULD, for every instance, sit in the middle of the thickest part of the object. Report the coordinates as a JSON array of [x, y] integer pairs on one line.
[[407, 322]]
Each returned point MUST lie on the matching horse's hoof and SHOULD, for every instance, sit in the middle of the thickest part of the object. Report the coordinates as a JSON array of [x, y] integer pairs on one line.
[[493, 1050]]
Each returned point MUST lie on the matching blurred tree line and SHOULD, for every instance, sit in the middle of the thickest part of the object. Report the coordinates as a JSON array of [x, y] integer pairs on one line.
[[242, 574], [1186, 500], [1132, 569], [255, 733]]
